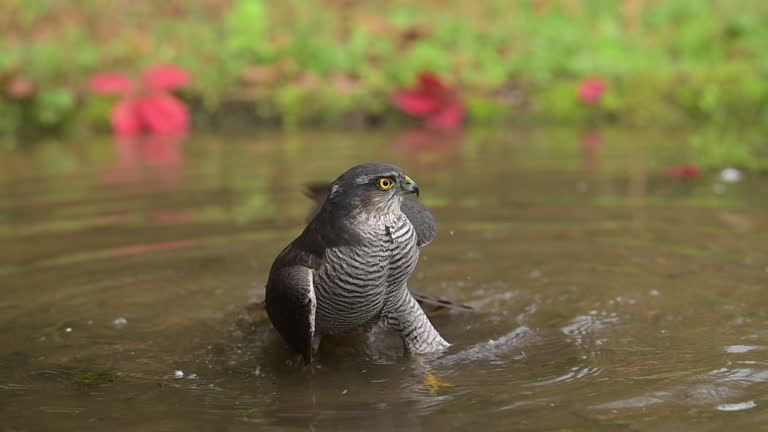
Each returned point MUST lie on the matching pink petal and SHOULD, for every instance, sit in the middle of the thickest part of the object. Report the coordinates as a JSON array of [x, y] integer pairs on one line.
[[416, 103], [109, 84], [449, 117], [591, 90], [163, 114], [165, 77], [125, 118]]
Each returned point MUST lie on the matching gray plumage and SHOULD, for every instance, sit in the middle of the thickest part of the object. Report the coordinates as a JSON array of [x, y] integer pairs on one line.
[[349, 267]]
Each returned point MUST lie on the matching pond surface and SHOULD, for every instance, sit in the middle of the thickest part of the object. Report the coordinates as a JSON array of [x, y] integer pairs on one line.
[[610, 297]]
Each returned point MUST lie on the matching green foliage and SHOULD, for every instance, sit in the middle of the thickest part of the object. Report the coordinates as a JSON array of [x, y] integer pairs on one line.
[[247, 27], [53, 105], [10, 117]]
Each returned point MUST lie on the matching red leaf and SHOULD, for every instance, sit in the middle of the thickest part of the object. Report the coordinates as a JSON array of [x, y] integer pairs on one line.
[[165, 77], [163, 114], [430, 82], [125, 118], [683, 171], [416, 103], [449, 117], [109, 84], [432, 100]]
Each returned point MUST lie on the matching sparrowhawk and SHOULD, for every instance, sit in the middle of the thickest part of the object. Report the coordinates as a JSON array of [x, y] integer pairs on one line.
[[349, 268]]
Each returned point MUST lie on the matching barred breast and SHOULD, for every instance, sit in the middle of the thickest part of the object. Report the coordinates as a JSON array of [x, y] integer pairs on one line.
[[405, 254], [355, 283], [351, 284]]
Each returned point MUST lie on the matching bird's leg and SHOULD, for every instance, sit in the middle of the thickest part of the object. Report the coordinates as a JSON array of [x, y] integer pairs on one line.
[[405, 316]]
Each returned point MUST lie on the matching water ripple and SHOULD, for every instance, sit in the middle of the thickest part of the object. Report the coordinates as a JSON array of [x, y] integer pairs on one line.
[[493, 349], [576, 373], [587, 324]]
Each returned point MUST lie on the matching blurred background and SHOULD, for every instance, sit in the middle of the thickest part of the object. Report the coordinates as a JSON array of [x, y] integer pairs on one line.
[[297, 63], [597, 169], [66, 66]]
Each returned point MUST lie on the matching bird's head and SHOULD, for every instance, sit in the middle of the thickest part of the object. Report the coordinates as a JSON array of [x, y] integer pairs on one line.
[[373, 189]]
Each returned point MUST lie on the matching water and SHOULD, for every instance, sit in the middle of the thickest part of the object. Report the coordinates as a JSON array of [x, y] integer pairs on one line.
[[610, 297]]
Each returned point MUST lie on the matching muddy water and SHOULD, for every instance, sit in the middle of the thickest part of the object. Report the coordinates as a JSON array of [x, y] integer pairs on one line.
[[609, 297]]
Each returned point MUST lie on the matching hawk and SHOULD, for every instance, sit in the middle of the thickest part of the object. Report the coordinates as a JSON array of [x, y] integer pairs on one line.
[[350, 266]]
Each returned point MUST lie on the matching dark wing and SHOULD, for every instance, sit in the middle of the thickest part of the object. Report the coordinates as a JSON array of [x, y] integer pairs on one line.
[[290, 298], [290, 301], [422, 219]]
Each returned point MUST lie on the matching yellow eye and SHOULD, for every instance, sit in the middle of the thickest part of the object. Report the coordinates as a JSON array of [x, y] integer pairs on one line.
[[385, 183]]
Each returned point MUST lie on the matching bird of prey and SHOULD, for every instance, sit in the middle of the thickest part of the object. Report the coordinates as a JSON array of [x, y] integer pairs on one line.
[[349, 268]]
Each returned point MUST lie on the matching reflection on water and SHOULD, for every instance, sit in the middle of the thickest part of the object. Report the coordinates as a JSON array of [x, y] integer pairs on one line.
[[610, 297], [161, 155]]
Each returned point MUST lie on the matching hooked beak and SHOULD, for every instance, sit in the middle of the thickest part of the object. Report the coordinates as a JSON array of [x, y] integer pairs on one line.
[[410, 187]]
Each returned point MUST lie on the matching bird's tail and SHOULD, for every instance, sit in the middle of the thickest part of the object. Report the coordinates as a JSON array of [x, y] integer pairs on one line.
[[433, 304]]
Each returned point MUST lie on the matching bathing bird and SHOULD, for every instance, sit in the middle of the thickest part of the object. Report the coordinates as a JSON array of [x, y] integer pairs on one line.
[[349, 267]]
